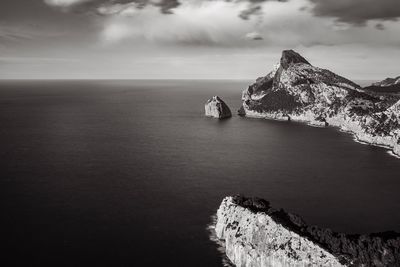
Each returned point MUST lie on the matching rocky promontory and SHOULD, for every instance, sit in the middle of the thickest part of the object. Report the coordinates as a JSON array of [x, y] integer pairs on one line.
[[296, 90], [389, 85], [255, 234], [388, 82], [216, 108]]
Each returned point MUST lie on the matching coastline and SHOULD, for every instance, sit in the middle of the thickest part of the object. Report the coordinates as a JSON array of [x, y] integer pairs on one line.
[[335, 122], [255, 234]]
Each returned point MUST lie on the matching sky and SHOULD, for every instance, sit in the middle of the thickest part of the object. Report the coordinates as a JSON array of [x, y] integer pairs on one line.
[[195, 39]]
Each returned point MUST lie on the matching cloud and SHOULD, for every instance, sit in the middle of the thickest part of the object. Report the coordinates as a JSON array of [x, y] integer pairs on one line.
[[165, 6], [65, 3], [218, 22], [236, 23], [255, 8], [251, 7], [357, 12], [380, 26], [254, 36], [251, 10], [194, 22]]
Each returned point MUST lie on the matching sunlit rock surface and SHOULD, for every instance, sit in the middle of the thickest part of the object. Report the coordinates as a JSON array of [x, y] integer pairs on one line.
[[217, 108], [257, 235], [296, 90]]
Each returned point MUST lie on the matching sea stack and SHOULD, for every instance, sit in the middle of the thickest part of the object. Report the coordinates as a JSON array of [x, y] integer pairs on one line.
[[254, 234], [216, 108]]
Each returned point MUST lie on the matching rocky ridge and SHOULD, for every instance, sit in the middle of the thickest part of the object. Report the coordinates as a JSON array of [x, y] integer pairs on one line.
[[388, 82], [388, 86], [296, 90], [257, 235]]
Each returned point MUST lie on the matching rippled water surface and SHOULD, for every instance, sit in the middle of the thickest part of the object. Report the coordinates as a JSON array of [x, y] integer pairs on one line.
[[128, 173]]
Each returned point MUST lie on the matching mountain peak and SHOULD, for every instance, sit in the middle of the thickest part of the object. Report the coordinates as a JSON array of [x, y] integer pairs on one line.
[[291, 57]]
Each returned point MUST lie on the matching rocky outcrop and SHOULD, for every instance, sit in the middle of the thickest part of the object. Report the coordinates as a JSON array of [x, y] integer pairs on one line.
[[388, 82], [296, 90], [389, 85], [217, 108], [255, 235]]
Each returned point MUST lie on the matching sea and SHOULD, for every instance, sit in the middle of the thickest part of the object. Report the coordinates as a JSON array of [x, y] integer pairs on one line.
[[130, 173]]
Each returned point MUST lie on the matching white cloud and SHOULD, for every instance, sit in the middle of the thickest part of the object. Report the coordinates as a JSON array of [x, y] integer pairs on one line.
[[193, 22], [118, 9], [286, 24], [64, 3], [254, 36], [218, 22]]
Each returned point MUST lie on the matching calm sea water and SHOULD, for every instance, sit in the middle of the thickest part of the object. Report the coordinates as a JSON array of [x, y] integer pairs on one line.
[[128, 173]]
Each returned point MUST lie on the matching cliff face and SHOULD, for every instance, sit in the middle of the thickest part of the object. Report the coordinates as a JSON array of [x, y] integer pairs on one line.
[[296, 90], [217, 108], [257, 235]]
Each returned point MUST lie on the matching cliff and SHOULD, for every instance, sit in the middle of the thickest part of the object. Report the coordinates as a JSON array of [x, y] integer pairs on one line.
[[296, 90], [216, 107], [257, 235]]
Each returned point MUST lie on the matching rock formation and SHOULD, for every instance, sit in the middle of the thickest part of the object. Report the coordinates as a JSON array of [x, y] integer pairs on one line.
[[217, 108], [257, 235], [389, 85], [296, 90], [388, 82]]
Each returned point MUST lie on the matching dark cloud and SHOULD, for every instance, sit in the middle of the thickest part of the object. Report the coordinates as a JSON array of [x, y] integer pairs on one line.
[[357, 12], [380, 26], [166, 6], [254, 8]]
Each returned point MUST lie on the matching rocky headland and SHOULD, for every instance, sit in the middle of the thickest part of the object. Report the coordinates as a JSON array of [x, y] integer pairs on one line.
[[296, 90], [215, 107], [387, 86], [255, 234], [388, 82]]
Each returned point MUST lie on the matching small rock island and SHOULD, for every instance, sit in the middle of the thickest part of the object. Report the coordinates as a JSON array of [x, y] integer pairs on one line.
[[216, 108], [255, 234]]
